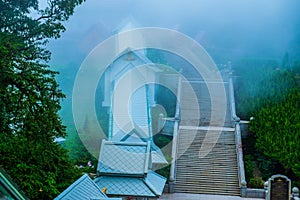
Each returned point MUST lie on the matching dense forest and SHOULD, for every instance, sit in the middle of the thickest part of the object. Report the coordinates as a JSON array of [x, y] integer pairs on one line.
[[30, 98], [268, 94]]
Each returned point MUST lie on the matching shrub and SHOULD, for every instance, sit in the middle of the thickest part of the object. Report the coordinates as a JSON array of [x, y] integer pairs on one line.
[[256, 182]]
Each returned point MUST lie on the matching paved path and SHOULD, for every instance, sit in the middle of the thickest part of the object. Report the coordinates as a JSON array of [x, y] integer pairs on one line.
[[185, 196]]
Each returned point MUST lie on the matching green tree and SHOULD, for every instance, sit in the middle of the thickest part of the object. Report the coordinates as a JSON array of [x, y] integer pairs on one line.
[[30, 97], [285, 61], [251, 74], [276, 128], [258, 83], [296, 69]]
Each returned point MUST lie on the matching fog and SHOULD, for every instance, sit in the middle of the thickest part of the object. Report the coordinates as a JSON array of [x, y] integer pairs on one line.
[[228, 30]]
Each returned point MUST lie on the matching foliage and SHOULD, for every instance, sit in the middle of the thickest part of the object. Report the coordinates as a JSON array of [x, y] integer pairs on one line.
[[256, 182], [77, 152], [261, 82], [276, 128], [165, 171], [164, 96], [250, 73], [102, 112], [285, 61], [30, 97], [296, 70], [271, 96], [40, 169], [162, 140], [167, 99], [257, 164], [249, 166], [267, 166]]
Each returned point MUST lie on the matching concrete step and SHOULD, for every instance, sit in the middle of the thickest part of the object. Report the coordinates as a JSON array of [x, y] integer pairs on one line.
[[219, 175], [210, 181], [195, 154], [217, 142], [208, 190], [217, 172]]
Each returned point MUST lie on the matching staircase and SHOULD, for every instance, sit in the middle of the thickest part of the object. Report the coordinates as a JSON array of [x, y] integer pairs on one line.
[[215, 171]]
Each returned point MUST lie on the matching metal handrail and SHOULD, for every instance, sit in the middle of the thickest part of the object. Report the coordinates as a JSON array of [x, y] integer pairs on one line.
[[175, 133]]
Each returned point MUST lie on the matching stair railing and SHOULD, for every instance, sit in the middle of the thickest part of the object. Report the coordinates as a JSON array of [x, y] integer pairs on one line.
[[238, 140], [175, 138]]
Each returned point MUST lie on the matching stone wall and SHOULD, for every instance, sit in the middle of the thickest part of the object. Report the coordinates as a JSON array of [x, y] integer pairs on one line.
[[255, 193]]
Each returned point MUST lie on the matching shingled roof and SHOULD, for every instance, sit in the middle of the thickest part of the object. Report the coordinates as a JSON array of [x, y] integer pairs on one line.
[[150, 186], [123, 158], [137, 135], [83, 188], [123, 169]]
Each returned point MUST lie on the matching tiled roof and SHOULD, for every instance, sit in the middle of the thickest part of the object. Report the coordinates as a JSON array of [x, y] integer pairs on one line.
[[138, 132], [123, 158], [83, 188], [158, 158], [127, 186], [136, 135], [150, 186], [156, 182]]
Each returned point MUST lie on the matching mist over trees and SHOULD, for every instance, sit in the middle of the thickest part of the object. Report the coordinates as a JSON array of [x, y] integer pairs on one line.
[[269, 93], [254, 34], [30, 97]]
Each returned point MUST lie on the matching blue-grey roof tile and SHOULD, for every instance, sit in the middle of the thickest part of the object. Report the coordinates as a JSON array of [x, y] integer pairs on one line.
[[157, 156], [151, 186], [123, 158], [136, 135], [106, 198], [124, 186], [82, 189], [156, 182]]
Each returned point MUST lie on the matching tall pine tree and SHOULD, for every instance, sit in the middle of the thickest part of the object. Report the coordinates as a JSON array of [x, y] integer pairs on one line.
[[30, 97]]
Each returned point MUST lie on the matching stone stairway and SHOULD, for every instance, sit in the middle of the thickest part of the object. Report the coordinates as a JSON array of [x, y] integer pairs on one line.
[[206, 152]]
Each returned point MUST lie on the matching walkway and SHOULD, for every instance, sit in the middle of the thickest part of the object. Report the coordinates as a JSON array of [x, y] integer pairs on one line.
[[185, 196]]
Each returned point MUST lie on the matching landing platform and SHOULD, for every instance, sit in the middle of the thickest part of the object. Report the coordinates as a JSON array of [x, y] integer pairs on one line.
[[186, 196]]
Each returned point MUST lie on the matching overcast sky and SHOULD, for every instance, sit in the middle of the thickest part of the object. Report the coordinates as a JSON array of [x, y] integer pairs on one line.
[[227, 29]]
